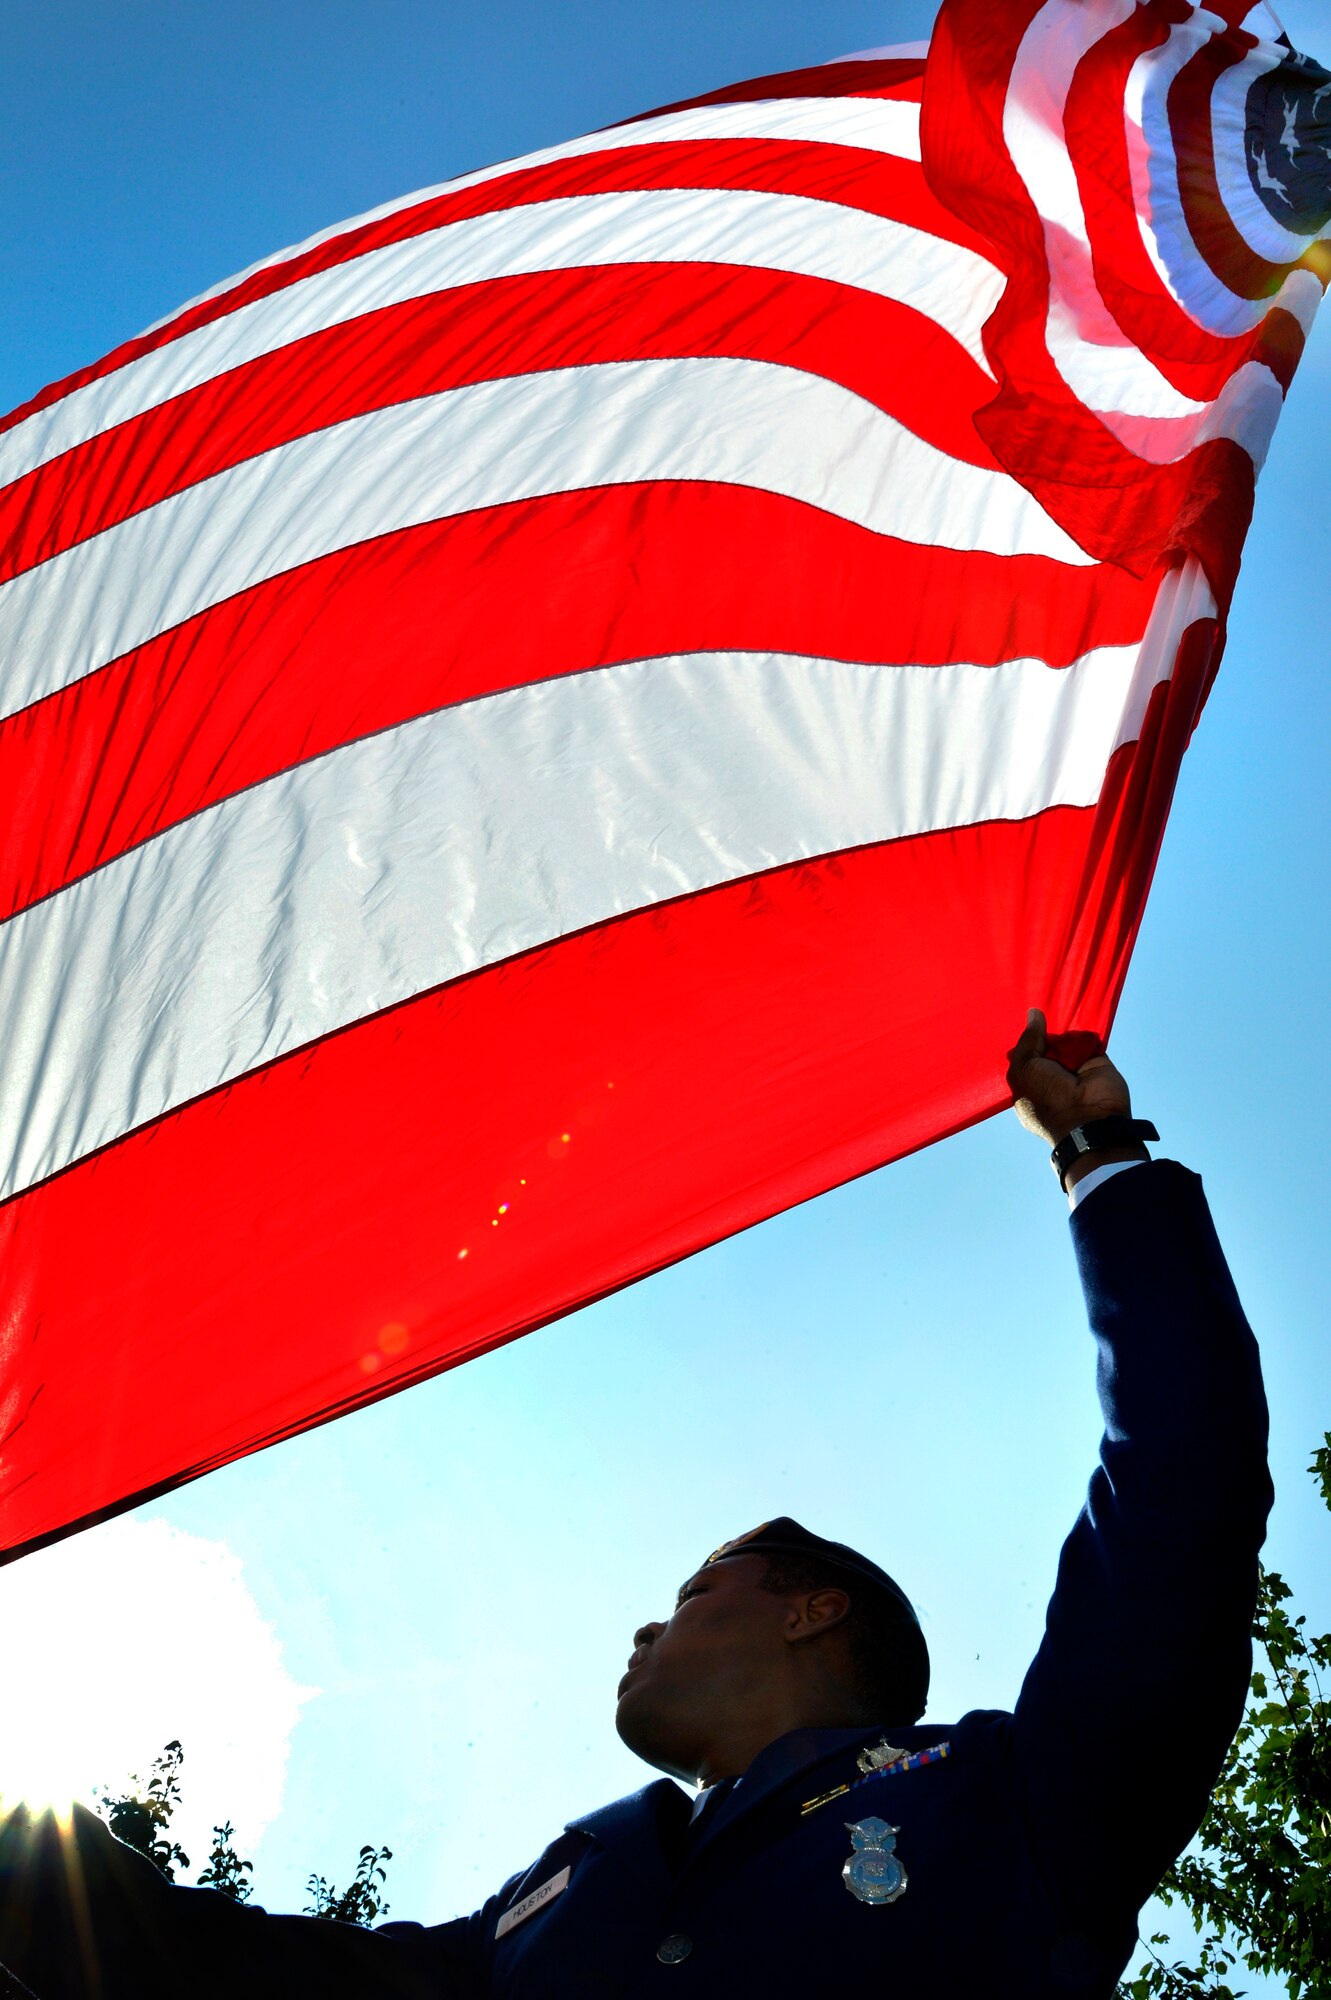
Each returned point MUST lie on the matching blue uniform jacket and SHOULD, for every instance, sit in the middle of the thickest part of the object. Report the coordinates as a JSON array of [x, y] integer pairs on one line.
[[1028, 1850]]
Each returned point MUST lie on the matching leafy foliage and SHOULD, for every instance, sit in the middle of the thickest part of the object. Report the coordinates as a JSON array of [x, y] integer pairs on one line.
[[1257, 1882], [226, 1872], [363, 1898], [142, 1819], [1179, 1981]]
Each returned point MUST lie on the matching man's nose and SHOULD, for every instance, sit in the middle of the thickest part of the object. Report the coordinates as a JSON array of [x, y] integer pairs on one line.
[[647, 1635]]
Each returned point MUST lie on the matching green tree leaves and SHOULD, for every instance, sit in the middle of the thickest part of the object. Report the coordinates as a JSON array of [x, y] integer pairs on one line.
[[142, 1819], [1257, 1881], [226, 1872], [363, 1898]]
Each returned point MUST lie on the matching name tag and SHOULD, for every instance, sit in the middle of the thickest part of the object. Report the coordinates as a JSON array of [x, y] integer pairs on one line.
[[531, 1904]]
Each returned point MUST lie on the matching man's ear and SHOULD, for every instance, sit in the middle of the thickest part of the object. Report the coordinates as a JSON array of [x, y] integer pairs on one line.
[[819, 1612]]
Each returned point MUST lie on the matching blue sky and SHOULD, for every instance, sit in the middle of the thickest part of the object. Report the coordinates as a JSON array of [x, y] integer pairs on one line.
[[902, 1363]]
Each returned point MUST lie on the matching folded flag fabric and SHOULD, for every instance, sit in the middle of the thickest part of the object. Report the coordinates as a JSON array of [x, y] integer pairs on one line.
[[574, 711]]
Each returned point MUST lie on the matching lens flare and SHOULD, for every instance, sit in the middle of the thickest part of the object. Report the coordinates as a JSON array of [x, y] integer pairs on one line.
[[82, 1715]]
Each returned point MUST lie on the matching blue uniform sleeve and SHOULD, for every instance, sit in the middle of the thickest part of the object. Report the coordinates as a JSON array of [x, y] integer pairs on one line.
[[83, 1917], [1138, 1686]]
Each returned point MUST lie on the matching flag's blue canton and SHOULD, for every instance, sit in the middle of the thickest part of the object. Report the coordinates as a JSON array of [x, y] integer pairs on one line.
[[1289, 143]]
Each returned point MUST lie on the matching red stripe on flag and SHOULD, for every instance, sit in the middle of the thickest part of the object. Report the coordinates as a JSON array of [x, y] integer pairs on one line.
[[274, 1255], [880, 183], [876, 77], [1105, 913], [389, 629], [889, 353]]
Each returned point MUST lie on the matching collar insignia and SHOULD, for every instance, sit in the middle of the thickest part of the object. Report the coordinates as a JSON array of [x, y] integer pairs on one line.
[[877, 1756]]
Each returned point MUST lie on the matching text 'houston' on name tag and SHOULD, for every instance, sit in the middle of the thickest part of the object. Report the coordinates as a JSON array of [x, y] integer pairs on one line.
[[531, 1904]]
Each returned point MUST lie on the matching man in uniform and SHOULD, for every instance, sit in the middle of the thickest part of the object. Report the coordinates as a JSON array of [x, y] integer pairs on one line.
[[837, 1844]]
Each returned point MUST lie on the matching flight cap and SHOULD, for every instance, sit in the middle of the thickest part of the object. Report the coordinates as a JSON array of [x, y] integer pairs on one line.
[[786, 1537]]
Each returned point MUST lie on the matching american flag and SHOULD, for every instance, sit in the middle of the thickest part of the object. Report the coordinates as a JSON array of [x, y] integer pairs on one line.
[[572, 712]]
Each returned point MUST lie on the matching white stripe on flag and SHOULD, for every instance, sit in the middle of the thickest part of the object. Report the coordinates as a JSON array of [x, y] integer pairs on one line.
[[872, 124], [409, 858], [890, 52], [778, 232], [744, 423]]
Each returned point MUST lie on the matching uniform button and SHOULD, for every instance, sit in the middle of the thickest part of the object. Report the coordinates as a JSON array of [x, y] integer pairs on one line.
[[674, 1949]]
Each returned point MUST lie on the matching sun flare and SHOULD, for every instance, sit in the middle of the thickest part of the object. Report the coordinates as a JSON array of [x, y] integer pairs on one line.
[[124, 1637]]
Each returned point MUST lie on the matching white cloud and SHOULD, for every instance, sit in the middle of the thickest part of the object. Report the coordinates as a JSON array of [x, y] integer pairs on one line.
[[128, 1635]]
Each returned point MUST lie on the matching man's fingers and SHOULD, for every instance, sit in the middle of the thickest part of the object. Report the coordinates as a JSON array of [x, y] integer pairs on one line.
[[1056, 1082], [1029, 1043]]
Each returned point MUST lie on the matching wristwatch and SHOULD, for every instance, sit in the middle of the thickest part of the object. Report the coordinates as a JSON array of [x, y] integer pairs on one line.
[[1095, 1137]]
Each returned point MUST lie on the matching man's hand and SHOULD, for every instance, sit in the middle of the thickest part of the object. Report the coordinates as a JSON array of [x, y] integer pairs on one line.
[[1050, 1099]]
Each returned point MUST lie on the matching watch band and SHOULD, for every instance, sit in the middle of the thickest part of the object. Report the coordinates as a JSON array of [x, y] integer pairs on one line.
[[1096, 1136]]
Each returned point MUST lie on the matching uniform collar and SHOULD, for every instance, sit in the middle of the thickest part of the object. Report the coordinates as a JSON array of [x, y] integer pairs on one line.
[[775, 1766], [791, 1756], [645, 1827], [642, 1829]]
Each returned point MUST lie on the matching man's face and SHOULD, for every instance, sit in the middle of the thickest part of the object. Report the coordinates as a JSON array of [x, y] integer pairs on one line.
[[714, 1660]]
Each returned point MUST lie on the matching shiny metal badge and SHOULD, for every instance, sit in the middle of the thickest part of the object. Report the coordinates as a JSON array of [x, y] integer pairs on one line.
[[873, 1873], [877, 1756]]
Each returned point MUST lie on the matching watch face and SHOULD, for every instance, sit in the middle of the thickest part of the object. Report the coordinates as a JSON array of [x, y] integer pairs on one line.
[[1066, 1151]]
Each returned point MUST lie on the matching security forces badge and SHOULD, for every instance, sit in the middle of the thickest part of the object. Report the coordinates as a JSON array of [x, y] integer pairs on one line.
[[873, 1873]]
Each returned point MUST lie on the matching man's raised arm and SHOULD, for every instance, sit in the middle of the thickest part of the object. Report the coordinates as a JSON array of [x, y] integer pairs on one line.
[[1139, 1682]]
